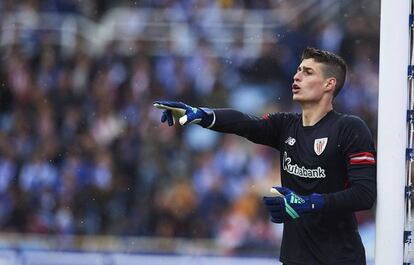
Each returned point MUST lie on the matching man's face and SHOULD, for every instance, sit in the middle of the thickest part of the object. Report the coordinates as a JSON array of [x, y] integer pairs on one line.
[[308, 82]]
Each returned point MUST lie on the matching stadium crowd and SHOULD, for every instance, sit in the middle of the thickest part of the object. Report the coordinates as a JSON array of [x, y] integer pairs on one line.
[[82, 150]]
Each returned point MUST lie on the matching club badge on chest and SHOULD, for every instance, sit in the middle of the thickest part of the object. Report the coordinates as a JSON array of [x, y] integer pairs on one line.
[[319, 145]]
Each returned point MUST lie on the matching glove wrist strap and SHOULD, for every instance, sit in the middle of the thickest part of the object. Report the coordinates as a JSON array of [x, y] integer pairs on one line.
[[317, 201], [209, 118]]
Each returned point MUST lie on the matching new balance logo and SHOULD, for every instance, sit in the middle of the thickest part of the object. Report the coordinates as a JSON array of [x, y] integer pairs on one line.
[[290, 141]]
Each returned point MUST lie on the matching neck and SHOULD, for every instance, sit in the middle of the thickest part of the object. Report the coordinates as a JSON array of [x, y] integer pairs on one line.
[[311, 114]]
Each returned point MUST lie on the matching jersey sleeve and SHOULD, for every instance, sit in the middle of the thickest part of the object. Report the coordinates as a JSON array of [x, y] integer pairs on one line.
[[360, 157], [264, 130]]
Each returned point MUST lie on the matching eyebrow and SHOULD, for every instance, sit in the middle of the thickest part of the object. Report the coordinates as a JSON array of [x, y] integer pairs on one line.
[[305, 68]]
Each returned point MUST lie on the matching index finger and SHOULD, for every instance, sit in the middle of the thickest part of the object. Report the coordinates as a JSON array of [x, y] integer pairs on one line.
[[168, 105]]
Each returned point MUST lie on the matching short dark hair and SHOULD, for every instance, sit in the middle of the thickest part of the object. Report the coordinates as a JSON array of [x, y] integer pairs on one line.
[[335, 66]]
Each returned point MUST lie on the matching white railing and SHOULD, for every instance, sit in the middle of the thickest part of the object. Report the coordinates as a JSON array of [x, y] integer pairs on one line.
[[10, 257], [128, 244]]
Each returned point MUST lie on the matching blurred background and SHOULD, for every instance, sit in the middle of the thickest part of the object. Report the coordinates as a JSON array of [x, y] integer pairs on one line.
[[87, 167]]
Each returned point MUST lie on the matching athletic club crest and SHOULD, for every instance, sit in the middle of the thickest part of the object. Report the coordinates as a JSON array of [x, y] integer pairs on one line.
[[319, 145]]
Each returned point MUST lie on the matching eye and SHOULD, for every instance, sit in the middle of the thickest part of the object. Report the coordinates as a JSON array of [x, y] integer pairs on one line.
[[308, 72]]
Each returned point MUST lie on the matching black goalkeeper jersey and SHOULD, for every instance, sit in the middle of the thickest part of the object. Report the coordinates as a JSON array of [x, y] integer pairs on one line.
[[335, 157]]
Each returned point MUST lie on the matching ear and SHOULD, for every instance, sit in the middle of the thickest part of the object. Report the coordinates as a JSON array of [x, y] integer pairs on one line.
[[330, 84]]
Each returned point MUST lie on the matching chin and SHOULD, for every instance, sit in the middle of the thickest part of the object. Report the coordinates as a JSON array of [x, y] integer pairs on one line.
[[299, 100]]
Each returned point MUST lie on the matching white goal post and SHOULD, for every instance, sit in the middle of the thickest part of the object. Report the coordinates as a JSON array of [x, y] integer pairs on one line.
[[392, 131]]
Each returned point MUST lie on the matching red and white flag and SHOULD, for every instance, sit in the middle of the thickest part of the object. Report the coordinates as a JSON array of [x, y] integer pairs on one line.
[[364, 158]]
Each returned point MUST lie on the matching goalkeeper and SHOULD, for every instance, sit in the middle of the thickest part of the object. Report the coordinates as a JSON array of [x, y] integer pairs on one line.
[[328, 163]]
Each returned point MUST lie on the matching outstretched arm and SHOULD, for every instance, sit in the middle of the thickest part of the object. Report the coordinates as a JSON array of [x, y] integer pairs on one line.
[[258, 130]]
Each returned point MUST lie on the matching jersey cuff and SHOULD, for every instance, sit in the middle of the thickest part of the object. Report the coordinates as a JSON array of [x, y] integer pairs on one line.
[[213, 122], [210, 115]]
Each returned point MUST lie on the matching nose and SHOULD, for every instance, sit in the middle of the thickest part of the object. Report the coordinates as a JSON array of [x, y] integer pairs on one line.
[[297, 76]]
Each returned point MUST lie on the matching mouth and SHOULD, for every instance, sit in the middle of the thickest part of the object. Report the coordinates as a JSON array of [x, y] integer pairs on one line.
[[295, 88]]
